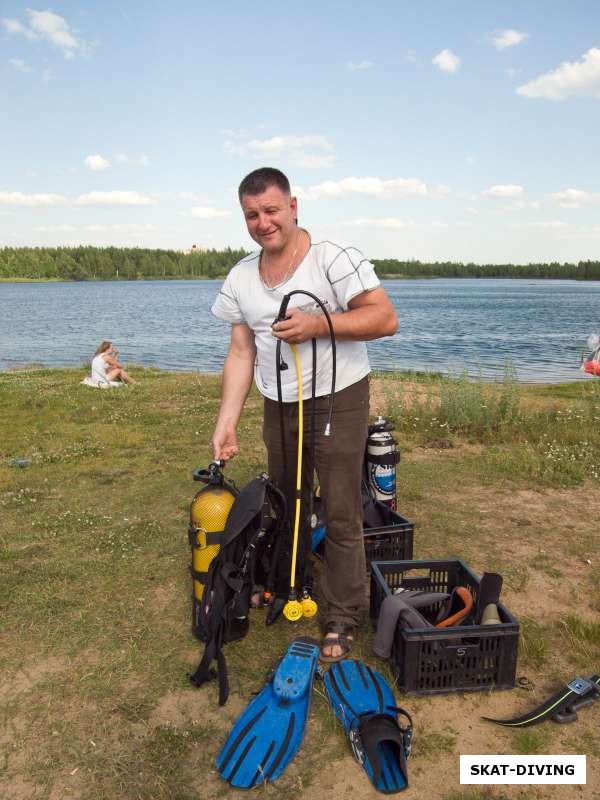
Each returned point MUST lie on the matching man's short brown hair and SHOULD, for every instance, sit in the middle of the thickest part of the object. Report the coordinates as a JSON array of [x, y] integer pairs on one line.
[[261, 179]]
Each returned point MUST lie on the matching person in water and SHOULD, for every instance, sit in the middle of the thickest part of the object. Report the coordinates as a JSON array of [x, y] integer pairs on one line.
[[105, 366], [345, 281]]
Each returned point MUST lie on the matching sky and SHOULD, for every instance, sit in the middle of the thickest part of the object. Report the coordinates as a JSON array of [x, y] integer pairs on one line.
[[462, 131]]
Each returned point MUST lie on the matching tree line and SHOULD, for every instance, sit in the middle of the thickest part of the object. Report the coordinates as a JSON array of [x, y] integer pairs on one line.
[[133, 263], [582, 270], [113, 263]]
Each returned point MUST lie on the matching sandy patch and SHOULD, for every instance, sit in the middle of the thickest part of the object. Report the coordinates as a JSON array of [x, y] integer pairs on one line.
[[29, 675]]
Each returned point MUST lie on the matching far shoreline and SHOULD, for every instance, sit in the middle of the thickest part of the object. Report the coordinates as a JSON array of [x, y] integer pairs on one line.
[[382, 277]]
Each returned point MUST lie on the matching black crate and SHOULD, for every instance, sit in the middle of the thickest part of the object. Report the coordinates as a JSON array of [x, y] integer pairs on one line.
[[392, 540], [436, 660]]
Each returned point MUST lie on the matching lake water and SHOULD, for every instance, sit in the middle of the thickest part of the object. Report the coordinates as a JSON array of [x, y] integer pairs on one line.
[[446, 325]]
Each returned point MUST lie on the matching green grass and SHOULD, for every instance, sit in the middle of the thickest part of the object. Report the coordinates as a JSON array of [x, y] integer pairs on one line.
[[531, 741], [553, 442], [94, 589]]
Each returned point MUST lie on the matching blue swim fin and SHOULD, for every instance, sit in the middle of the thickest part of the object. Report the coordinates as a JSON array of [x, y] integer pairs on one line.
[[269, 732], [365, 705]]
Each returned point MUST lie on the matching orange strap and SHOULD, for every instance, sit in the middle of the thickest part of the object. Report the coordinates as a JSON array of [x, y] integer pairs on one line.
[[467, 598]]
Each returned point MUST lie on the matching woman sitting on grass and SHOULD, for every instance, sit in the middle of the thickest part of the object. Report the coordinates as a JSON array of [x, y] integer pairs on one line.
[[105, 367]]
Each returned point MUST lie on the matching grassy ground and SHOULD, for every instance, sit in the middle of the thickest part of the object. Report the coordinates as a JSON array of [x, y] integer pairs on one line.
[[94, 590]]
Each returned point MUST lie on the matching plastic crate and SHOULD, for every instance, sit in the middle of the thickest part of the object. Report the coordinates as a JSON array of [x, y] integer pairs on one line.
[[391, 541], [437, 660]]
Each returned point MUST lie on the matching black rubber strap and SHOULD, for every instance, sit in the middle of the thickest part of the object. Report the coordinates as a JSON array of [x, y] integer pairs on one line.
[[212, 537], [385, 460]]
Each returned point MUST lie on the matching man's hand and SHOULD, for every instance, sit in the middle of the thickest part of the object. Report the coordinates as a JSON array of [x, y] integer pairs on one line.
[[299, 327], [225, 444]]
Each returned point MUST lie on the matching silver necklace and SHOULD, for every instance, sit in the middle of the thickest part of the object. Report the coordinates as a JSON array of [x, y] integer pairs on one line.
[[286, 274]]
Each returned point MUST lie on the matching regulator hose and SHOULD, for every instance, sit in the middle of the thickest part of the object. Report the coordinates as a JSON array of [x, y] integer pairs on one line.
[[295, 609]]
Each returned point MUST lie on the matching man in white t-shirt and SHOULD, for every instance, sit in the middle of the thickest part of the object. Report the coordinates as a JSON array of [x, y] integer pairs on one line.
[[250, 298]]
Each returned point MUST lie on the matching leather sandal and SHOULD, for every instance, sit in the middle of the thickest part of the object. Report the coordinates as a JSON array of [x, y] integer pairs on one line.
[[338, 634]]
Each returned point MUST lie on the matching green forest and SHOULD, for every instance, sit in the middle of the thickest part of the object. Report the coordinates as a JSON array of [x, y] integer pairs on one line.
[[116, 263], [583, 270], [113, 263]]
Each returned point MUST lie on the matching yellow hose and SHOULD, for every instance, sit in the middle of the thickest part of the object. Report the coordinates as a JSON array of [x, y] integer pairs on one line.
[[293, 609]]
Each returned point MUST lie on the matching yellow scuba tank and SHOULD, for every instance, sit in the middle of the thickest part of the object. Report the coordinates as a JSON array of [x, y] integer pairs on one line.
[[209, 511]]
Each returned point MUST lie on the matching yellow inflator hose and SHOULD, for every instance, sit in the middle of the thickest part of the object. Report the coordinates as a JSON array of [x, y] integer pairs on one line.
[[294, 609]]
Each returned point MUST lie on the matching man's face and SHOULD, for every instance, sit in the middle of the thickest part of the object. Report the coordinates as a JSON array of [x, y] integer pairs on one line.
[[270, 218]]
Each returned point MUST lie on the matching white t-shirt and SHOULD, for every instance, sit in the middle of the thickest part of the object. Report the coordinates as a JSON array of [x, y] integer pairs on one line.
[[332, 273]]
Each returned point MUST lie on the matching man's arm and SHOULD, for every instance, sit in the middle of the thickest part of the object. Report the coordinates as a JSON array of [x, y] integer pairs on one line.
[[370, 316], [237, 380]]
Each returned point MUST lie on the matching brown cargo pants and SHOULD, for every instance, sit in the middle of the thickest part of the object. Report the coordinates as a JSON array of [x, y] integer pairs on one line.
[[338, 464]]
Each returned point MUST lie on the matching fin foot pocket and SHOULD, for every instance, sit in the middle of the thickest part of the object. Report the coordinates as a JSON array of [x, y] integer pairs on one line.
[[364, 703]]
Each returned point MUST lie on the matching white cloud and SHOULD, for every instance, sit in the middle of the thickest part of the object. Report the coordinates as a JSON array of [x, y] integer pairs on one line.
[[374, 187], [570, 79], [411, 56], [15, 27], [236, 133], [233, 149], [391, 223], [447, 61], [533, 205], [467, 197], [193, 196], [508, 38], [123, 158], [31, 200], [277, 145], [504, 190], [512, 72], [359, 66], [472, 210], [131, 227], [65, 228], [48, 26], [311, 160], [115, 199], [127, 227], [555, 224], [11, 25], [205, 212], [56, 30], [575, 198], [308, 151], [20, 65], [97, 163]]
